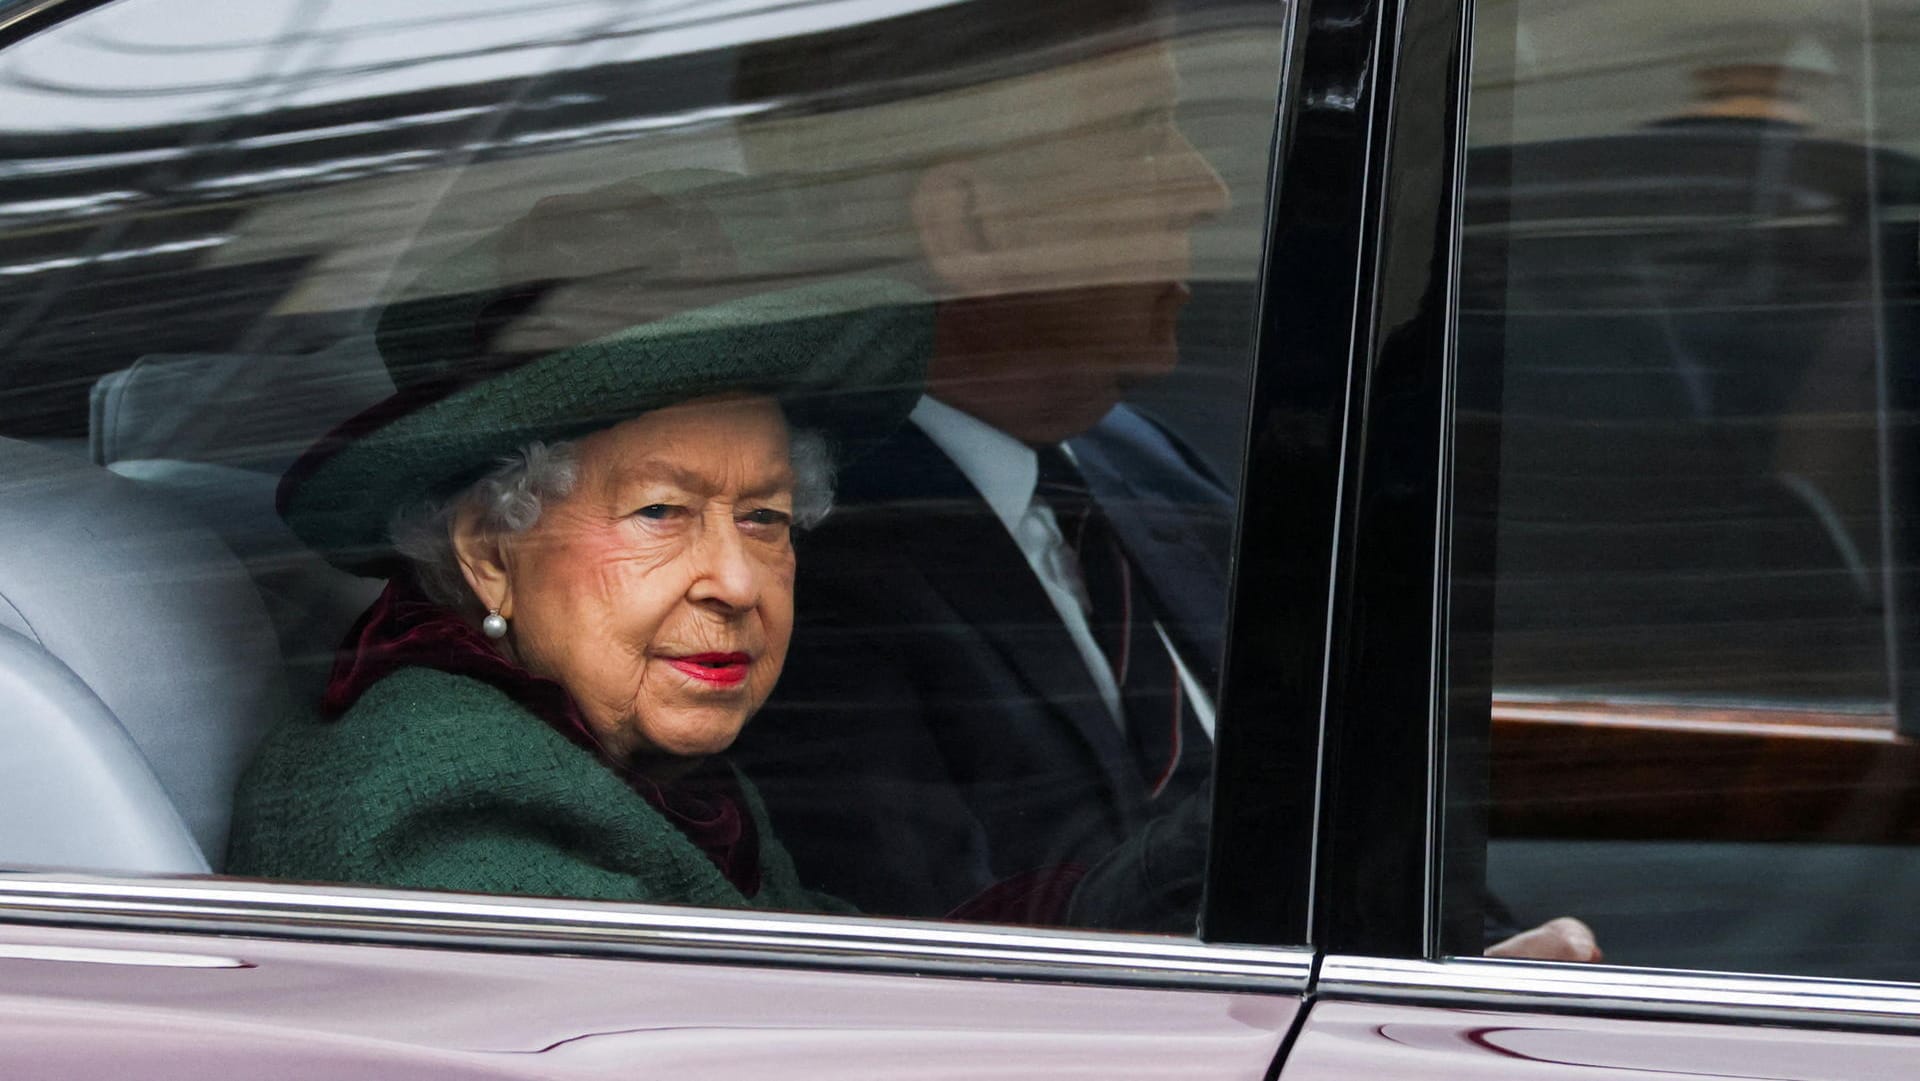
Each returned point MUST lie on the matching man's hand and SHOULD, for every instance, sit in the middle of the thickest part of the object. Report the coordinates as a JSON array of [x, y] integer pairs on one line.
[[1563, 939]]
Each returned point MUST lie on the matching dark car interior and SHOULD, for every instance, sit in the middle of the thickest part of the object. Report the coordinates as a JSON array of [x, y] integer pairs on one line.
[[1673, 336], [1676, 312]]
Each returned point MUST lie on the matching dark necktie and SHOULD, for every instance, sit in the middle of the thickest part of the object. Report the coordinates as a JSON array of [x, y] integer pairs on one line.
[[1121, 616]]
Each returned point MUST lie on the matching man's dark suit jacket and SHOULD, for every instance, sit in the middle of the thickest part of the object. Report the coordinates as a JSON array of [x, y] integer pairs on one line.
[[936, 731]]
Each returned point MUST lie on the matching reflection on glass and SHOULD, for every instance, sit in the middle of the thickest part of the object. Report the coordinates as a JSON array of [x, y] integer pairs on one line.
[[1686, 352], [1673, 305], [1007, 635]]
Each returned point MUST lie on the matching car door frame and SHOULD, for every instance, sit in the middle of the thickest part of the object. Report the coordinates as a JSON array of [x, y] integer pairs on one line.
[[1407, 713]]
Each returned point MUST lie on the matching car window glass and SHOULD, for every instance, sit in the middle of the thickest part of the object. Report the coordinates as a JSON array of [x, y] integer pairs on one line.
[[1681, 594], [605, 376]]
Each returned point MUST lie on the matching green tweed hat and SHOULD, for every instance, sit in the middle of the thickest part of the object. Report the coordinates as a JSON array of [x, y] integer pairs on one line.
[[587, 312]]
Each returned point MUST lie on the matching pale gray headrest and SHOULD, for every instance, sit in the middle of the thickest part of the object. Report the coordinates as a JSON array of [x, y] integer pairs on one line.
[[311, 602], [253, 411], [211, 433]]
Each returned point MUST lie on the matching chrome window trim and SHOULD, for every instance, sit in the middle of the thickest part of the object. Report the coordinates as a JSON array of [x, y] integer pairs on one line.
[[9, 16], [1487, 983], [21, 11], [512, 924]]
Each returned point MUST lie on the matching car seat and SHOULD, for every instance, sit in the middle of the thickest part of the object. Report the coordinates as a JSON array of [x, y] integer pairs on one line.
[[138, 669], [212, 433]]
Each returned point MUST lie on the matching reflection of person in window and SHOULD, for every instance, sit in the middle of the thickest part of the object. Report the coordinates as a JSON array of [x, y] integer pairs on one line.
[[973, 697]]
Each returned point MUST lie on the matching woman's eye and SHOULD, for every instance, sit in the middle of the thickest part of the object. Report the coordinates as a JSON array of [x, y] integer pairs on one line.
[[657, 511], [768, 517]]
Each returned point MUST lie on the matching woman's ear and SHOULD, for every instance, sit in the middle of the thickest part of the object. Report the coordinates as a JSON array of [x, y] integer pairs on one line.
[[483, 561], [957, 237]]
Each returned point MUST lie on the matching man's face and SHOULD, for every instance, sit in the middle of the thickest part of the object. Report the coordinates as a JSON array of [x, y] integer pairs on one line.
[[1089, 231]]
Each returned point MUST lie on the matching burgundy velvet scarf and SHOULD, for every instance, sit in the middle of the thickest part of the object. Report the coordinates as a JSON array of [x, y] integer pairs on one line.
[[404, 629]]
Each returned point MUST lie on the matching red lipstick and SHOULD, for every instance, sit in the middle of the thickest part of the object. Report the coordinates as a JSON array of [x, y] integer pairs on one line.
[[718, 669]]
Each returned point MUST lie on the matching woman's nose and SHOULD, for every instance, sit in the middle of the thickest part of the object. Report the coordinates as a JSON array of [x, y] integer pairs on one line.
[[726, 576]]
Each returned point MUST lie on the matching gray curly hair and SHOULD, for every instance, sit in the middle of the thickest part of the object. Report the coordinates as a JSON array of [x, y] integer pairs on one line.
[[511, 496]]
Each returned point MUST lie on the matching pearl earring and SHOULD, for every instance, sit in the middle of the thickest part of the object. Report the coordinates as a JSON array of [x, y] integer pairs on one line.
[[495, 625]]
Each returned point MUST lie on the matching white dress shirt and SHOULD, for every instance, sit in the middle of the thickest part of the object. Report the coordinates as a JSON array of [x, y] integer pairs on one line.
[[1006, 473]]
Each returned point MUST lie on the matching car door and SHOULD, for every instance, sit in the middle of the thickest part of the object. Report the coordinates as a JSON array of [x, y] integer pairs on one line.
[[204, 212], [1622, 632]]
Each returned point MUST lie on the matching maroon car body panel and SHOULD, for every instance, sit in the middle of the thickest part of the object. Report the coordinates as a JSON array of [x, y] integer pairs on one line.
[[1384, 1042], [80, 1004]]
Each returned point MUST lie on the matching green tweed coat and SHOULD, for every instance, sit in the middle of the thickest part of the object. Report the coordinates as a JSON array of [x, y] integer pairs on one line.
[[439, 781]]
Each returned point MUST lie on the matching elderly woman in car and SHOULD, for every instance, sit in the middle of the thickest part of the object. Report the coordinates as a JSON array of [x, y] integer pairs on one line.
[[587, 525]]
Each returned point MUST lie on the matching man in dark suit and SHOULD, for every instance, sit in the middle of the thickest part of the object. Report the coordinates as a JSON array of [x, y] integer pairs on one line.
[[1010, 627], [938, 730]]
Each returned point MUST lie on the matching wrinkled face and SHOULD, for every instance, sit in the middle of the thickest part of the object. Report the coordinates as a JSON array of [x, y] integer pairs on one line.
[[660, 592]]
